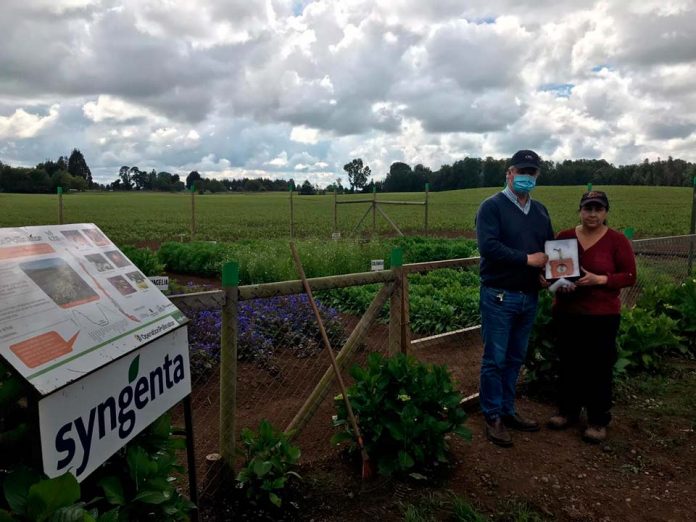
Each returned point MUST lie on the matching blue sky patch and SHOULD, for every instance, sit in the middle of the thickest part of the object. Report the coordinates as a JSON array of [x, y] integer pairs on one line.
[[561, 90]]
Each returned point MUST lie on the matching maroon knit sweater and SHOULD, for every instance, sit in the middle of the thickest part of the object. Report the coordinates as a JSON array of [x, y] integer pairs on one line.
[[611, 256]]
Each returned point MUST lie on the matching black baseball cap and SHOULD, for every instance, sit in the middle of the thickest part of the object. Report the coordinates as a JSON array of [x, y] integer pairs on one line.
[[596, 197], [525, 159]]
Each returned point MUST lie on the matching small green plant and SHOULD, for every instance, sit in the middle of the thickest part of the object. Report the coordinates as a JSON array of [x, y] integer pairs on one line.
[[31, 497], [269, 459], [406, 411], [139, 483]]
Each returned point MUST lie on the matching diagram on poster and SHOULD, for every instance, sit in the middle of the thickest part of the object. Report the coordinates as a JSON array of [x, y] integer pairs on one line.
[[71, 302]]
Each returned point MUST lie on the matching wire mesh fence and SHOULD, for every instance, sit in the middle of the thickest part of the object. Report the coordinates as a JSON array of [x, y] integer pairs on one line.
[[661, 261], [283, 372]]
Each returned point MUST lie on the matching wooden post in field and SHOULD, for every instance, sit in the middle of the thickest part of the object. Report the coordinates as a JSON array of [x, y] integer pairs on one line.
[[692, 231], [374, 209], [335, 227], [228, 364], [193, 210], [396, 302], [59, 190], [292, 215], [427, 191]]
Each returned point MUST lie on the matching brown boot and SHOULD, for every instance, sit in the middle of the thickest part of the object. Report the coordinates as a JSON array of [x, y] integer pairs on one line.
[[497, 433], [595, 434], [519, 423]]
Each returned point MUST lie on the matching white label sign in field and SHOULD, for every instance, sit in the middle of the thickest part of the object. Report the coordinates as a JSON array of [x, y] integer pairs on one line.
[[71, 302], [377, 264], [85, 423], [161, 282]]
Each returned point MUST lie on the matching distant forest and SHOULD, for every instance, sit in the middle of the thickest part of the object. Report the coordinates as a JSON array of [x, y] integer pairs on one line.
[[73, 173]]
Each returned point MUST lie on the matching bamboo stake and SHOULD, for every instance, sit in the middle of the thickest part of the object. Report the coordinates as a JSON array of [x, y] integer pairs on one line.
[[367, 467], [356, 338]]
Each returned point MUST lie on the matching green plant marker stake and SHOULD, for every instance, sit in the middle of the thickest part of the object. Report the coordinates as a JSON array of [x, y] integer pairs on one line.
[[230, 274], [589, 187], [397, 258], [59, 191], [628, 232]]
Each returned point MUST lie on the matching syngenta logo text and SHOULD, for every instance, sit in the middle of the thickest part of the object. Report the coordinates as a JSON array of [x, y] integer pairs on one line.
[[119, 411]]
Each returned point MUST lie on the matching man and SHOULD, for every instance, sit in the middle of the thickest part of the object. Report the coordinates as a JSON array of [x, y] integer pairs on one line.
[[511, 229]]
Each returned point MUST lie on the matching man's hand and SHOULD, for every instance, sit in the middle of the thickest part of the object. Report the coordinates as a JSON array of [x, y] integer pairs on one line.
[[590, 279], [543, 282], [538, 259]]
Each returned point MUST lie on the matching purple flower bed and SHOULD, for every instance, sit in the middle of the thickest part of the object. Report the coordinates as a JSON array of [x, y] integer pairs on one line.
[[265, 328]]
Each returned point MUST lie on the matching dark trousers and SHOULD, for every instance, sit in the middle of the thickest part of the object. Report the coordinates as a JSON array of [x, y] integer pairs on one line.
[[587, 352]]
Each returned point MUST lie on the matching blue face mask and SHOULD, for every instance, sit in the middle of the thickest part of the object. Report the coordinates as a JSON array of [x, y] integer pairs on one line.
[[523, 183]]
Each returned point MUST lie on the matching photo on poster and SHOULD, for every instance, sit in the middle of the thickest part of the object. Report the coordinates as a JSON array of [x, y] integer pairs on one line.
[[139, 279], [100, 262], [564, 260], [76, 238], [121, 285], [117, 258], [97, 237], [59, 281]]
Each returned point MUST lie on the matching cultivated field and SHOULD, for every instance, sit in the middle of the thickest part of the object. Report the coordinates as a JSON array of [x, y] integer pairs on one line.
[[135, 217]]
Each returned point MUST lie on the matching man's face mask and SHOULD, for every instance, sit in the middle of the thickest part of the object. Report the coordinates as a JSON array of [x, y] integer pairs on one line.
[[523, 183]]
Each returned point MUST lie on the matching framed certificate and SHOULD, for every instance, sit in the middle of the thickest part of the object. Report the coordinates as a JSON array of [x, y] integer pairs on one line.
[[564, 260]]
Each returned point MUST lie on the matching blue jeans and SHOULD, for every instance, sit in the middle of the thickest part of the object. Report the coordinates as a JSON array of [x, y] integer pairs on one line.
[[507, 318]]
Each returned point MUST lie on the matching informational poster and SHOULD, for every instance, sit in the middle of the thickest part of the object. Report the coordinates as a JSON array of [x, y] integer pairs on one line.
[[83, 424], [71, 302]]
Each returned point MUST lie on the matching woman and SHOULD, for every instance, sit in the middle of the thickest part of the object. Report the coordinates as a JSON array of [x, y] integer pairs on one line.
[[586, 316]]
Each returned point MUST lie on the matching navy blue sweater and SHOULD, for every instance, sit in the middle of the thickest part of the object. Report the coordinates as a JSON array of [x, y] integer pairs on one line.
[[505, 236]]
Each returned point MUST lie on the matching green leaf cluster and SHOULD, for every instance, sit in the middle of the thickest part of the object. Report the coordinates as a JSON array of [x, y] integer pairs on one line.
[[145, 259], [269, 461], [406, 411], [269, 260]]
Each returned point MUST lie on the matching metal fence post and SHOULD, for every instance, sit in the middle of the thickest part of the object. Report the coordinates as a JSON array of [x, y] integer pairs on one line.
[[59, 190], [396, 303], [193, 210], [228, 364], [292, 216], [335, 227], [427, 191], [692, 231], [374, 209]]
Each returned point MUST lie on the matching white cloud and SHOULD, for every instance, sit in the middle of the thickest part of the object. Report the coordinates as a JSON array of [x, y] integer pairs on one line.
[[22, 124], [304, 134], [268, 87]]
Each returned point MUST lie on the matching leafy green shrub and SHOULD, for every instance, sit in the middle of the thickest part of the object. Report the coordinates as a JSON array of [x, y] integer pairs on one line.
[[644, 339], [264, 261], [440, 301], [145, 259], [31, 497], [406, 411], [542, 364], [677, 301], [139, 484], [269, 459]]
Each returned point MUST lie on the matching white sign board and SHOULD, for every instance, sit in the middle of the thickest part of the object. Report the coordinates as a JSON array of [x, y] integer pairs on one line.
[[377, 265], [71, 302], [85, 423], [161, 282]]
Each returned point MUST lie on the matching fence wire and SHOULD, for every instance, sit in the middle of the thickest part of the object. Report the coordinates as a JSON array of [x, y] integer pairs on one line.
[[281, 358]]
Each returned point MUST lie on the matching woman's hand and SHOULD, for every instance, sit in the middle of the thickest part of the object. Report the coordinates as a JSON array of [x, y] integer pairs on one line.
[[590, 279]]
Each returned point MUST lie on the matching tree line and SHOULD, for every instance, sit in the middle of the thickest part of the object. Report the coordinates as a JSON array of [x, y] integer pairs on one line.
[[72, 173]]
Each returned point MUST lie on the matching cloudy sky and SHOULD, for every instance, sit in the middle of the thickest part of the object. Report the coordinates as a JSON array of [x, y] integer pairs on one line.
[[296, 88]]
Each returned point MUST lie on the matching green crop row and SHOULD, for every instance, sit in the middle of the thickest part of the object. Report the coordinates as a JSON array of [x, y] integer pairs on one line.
[[135, 218]]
